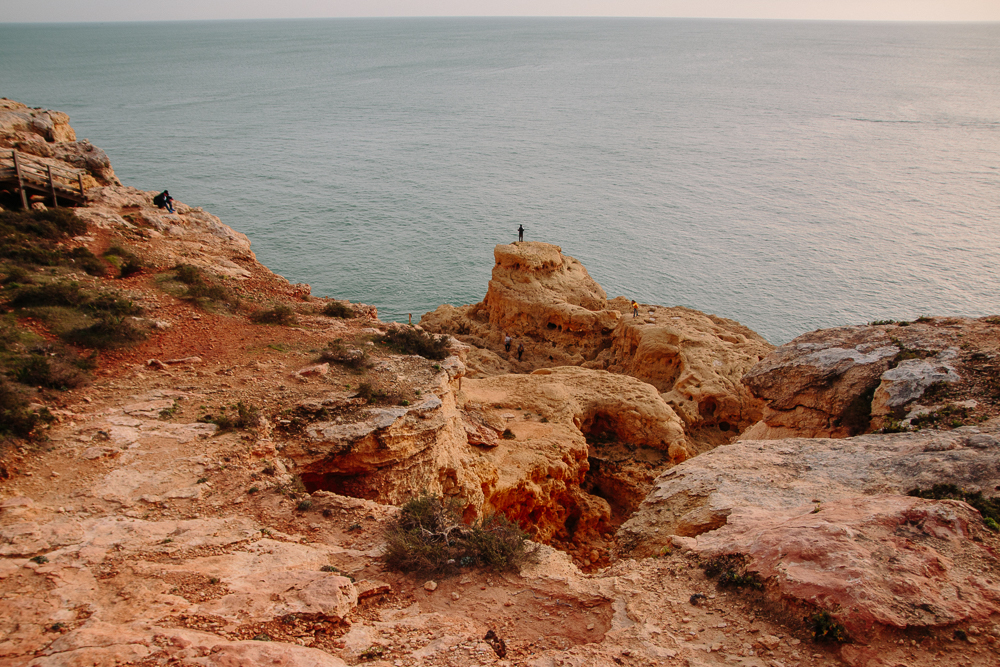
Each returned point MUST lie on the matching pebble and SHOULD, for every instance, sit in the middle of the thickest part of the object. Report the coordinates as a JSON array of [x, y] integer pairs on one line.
[[430, 586], [455, 595]]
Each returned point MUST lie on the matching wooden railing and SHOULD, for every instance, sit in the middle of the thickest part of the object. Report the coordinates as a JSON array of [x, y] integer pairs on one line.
[[30, 173]]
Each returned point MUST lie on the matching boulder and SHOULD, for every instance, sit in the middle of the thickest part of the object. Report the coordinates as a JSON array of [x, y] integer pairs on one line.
[[844, 381], [872, 562], [776, 476]]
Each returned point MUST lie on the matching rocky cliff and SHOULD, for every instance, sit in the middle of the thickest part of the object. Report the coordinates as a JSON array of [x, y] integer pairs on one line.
[[214, 491]]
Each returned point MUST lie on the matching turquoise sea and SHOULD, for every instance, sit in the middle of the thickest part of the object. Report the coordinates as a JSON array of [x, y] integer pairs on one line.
[[788, 175]]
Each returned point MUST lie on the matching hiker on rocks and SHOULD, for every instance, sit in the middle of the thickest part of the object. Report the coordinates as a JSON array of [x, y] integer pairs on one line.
[[164, 200], [520, 233], [635, 309], [506, 343], [520, 350]]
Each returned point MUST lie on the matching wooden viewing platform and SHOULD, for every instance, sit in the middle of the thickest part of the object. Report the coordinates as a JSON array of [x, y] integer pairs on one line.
[[27, 173]]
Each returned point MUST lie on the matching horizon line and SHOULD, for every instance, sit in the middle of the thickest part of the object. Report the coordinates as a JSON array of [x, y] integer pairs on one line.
[[506, 16]]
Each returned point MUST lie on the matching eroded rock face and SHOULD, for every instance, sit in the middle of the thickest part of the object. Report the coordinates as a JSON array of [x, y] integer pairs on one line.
[[47, 134], [696, 362], [872, 561], [547, 302], [514, 444], [850, 380], [776, 476]]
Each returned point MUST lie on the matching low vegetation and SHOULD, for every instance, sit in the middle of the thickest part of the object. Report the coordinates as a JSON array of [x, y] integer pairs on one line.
[[127, 262], [208, 292], [240, 416], [338, 309], [989, 508], [428, 536], [731, 571], [825, 628], [279, 314], [410, 340]]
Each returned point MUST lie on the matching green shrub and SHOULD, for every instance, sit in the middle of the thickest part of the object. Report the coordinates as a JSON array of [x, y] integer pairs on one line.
[[731, 570], [428, 536], [68, 294], [128, 262], [280, 314], [88, 261], [989, 508], [107, 333], [410, 340], [826, 628], [202, 288], [15, 417], [55, 372], [246, 416], [338, 309], [508, 434]]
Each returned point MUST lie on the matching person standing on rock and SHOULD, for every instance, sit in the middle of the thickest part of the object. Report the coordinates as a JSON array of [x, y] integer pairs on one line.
[[506, 343], [520, 233], [635, 309], [520, 350]]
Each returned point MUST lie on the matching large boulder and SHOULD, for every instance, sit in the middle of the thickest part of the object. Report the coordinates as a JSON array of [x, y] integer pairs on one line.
[[839, 382], [774, 476], [871, 562]]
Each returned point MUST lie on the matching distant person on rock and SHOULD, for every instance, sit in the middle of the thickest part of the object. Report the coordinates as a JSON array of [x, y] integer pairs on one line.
[[635, 309], [520, 350], [506, 343], [520, 233], [164, 200]]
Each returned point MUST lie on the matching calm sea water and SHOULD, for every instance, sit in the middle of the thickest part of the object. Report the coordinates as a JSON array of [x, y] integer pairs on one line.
[[788, 175]]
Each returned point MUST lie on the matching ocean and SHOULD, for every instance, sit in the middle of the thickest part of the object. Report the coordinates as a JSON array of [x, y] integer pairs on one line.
[[789, 175]]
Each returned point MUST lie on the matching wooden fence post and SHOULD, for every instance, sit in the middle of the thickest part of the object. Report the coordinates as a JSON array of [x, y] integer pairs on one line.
[[20, 181], [52, 187]]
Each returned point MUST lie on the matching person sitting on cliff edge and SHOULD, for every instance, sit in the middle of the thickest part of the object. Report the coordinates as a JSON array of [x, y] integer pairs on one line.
[[164, 200]]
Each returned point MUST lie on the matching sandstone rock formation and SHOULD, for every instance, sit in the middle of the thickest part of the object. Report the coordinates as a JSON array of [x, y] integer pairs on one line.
[[774, 476], [47, 134], [548, 302], [850, 380], [874, 562], [513, 444], [140, 533]]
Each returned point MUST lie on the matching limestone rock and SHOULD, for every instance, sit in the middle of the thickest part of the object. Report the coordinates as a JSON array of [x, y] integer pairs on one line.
[[547, 302], [542, 298], [850, 380], [883, 560], [776, 476]]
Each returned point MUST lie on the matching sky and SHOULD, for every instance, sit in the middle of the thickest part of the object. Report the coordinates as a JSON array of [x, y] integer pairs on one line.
[[17, 11]]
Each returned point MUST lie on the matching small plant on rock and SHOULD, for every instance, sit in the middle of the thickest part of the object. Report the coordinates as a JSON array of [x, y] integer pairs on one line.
[[826, 628], [429, 536], [410, 340], [338, 309], [731, 570], [281, 314]]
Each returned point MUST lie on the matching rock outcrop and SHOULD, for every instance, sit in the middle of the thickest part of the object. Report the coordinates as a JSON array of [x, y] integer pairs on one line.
[[47, 134], [550, 304], [850, 380], [512, 444], [699, 495]]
